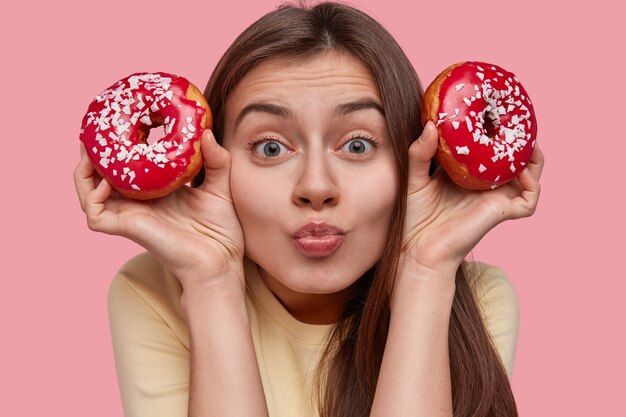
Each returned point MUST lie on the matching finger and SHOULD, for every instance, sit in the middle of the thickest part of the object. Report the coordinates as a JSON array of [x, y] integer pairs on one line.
[[535, 165], [94, 205], [421, 153], [216, 165], [84, 177], [526, 204]]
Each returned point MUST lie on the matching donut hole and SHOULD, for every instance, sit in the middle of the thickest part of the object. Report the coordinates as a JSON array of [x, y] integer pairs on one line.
[[157, 133], [153, 133], [489, 127]]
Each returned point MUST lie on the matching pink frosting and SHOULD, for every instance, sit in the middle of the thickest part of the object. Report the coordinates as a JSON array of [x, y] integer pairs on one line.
[[111, 131], [487, 120]]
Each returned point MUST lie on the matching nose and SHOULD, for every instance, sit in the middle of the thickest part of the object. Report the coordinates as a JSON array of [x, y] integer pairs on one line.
[[316, 186]]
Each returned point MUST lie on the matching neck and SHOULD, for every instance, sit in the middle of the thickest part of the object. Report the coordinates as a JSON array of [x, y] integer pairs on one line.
[[309, 308]]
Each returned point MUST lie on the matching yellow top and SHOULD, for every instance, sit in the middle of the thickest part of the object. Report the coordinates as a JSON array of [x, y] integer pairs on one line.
[[151, 340]]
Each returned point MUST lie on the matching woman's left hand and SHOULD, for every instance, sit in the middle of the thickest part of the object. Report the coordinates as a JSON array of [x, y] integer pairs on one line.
[[444, 221]]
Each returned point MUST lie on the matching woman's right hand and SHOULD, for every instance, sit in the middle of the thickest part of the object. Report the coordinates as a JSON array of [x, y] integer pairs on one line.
[[194, 232]]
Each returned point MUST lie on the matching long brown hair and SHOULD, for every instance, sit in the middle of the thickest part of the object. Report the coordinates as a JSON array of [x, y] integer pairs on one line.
[[348, 370]]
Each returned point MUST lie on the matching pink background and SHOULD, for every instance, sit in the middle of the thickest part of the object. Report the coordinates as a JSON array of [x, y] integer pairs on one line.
[[56, 352]]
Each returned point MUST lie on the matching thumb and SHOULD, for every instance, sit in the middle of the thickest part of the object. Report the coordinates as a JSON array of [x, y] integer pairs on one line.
[[421, 152], [216, 165]]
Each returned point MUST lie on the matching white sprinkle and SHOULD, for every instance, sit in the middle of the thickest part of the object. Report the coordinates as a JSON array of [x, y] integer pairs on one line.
[[147, 169], [512, 167], [455, 125], [191, 128], [135, 187], [442, 115], [468, 102], [94, 150], [482, 168], [469, 123], [480, 75], [154, 107], [141, 105], [480, 68], [146, 120], [497, 178], [189, 119], [458, 87], [464, 150], [515, 120], [115, 172], [510, 108], [126, 109]]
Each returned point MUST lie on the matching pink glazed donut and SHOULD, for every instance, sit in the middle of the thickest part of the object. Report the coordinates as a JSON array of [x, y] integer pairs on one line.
[[115, 132], [486, 123]]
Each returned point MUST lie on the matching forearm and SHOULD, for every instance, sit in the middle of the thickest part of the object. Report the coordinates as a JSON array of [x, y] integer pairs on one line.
[[414, 378], [224, 374]]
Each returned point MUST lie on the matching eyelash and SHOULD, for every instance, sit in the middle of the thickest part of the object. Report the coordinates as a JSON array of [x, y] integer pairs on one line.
[[263, 138], [358, 135]]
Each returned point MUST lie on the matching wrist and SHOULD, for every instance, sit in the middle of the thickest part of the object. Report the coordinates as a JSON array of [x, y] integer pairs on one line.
[[205, 291], [420, 282]]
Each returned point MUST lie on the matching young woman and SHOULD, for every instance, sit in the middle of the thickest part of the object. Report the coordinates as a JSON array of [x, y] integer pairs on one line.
[[317, 268]]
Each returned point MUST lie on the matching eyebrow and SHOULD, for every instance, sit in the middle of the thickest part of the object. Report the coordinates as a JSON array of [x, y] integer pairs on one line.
[[284, 112], [353, 106]]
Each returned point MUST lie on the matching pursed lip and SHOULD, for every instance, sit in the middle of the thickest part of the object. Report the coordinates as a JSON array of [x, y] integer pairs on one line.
[[317, 230], [318, 240]]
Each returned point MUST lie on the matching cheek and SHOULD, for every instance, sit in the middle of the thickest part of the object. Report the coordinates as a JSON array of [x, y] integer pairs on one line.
[[255, 197], [374, 195]]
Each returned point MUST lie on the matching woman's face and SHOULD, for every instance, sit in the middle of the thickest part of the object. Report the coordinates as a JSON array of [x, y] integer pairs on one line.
[[313, 176]]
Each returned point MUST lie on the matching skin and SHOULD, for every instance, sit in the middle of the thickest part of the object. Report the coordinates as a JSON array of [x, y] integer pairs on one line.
[[315, 176], [266, 200]]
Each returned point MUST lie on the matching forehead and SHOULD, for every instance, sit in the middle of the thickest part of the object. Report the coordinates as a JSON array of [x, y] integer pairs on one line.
[[325, 77]]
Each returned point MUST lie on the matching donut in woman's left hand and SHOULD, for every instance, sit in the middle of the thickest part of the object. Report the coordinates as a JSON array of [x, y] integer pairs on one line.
[[486, 123], [116, 126]]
